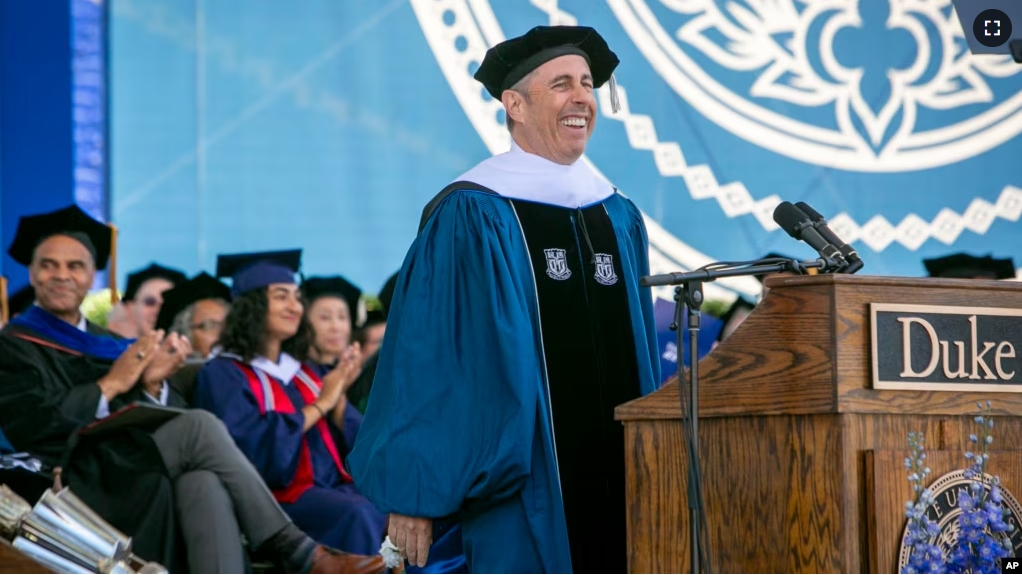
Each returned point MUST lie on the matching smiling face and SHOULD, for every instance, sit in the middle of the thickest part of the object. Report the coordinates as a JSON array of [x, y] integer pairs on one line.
[[556, 114], [331, 324], [284, 311], [61, 272]]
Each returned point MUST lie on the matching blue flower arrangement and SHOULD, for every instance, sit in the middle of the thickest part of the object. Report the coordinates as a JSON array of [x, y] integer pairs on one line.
[[924, 555], [982, 534]]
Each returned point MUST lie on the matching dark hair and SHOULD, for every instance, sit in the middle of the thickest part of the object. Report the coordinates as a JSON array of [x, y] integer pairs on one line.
[[310, 331], [246, 324], [361, 335]]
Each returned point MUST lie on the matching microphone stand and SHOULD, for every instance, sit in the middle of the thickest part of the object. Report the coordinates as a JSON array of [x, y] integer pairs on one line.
[[688, 295]]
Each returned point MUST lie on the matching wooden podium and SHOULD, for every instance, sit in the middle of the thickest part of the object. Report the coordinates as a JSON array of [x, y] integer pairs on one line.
[[802, 458]]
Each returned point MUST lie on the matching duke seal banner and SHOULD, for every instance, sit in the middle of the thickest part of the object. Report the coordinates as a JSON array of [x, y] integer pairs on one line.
[[946, 348], [350, 116]]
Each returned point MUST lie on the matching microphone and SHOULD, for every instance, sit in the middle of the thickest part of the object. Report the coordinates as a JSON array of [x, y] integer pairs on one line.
[[660, 280], [799, 226], [855, 263]]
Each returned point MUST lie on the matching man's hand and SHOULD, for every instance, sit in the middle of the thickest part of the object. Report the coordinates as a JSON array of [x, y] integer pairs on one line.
[[168, 358], [413, 536], [128, 368]]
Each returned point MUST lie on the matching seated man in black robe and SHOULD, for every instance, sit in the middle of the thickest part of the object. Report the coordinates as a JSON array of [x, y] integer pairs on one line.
[[59, 373]]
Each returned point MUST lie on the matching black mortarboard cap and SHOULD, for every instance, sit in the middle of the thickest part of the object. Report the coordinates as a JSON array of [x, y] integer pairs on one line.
[[154, 271], [184, 294], [511, 60], [375, 317], [255, 270], [316, 287], [963, 265], [70, 221]]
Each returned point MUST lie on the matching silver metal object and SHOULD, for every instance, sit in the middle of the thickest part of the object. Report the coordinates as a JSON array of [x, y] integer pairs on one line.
[[64, 534], [13, 510], [47, 558]]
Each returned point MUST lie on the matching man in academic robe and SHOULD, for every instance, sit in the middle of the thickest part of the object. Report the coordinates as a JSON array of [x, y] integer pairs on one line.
[[143, 298], [59, 373], [196, 309], [517, 326]]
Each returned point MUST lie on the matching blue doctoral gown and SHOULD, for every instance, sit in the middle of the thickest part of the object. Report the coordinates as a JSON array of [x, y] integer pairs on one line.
[[331, 511], [458, 423], [446, 554]]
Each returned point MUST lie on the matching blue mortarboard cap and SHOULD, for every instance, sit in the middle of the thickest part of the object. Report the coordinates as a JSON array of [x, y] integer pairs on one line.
[[251, 271]]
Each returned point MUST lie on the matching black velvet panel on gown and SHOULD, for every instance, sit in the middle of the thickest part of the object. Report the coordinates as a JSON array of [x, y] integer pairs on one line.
[[591, 368]]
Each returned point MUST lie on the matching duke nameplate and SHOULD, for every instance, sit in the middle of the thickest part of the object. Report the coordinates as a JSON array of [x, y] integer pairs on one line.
[[946, 348]]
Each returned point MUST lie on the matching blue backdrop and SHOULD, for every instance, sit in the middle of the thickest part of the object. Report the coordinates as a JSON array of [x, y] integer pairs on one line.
[[327, 125]]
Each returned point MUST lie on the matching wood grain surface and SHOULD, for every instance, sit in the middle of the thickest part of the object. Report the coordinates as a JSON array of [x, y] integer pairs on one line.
[[795, 446]]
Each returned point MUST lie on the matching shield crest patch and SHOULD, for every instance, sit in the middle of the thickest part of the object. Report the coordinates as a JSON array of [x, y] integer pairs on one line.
[[557, 264], [605, 269]]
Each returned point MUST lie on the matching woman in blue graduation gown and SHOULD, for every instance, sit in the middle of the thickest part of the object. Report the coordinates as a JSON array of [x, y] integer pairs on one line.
[[282, 413]]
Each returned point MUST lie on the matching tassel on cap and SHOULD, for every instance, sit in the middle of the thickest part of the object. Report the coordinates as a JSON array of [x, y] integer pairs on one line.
[[5, 311], [615, 99], [112, 270]]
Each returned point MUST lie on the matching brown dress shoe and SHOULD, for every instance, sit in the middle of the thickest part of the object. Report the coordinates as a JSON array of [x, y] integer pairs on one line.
[[327, 560]]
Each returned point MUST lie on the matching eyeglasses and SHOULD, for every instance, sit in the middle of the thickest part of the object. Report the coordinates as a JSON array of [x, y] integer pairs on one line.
[[208, 325], [150, 301]]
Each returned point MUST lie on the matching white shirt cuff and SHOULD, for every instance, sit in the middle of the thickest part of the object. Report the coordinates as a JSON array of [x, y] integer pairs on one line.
[[103, 409], [164, 394]]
